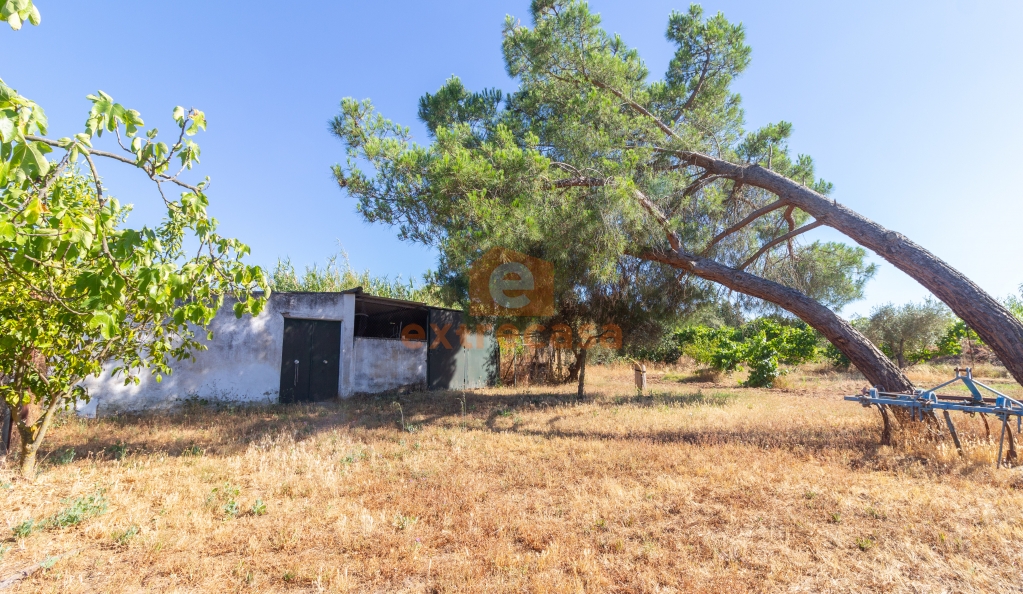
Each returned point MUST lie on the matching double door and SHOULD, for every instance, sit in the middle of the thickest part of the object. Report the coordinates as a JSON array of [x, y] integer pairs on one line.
[[311, 360]]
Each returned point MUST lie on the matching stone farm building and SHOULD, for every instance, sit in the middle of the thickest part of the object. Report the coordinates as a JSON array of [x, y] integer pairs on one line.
[[308, 347]]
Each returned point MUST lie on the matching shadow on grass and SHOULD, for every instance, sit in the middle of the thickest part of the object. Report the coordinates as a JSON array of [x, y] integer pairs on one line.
[[199, 430], [698, 398]]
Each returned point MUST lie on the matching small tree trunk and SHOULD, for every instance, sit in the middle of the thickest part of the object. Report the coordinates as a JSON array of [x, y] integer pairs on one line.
[[6, 421], [32, 435], [28, 459], [573, 370], [582, 373]]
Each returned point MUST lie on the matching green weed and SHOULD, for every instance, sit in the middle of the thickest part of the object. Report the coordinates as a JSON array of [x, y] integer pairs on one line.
[[65, 457], [193, 451], [123, 537], [27, 527], [403, 522], [118, 450], [79, 510]]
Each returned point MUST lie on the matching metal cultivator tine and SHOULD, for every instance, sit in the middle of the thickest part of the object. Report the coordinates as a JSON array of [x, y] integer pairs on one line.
[[1010, 457], [923, 405], [952, 430]]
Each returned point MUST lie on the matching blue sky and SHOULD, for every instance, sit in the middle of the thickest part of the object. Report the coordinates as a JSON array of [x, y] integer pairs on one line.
[[912, 109]]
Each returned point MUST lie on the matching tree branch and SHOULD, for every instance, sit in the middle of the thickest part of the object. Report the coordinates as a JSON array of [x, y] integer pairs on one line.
[[116, 158], [792, 227], [650, 207], [756, 214], [664, 127], [701, 182], [699, 84], [581, 182], [778, 240]]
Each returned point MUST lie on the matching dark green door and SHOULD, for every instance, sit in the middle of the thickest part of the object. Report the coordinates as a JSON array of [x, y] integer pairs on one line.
[[310, 360]]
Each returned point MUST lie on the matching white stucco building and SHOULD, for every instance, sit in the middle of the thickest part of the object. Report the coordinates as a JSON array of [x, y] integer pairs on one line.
[[306, 347]]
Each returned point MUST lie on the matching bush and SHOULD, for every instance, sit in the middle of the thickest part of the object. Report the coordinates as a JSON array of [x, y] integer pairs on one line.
[[836, 357], [762, 358], [760, 345]]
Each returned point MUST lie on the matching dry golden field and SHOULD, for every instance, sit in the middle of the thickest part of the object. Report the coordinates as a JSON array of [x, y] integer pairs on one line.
[[693, 487]]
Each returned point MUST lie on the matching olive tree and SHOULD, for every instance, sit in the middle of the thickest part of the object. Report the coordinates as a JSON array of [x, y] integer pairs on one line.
[[904, 331]]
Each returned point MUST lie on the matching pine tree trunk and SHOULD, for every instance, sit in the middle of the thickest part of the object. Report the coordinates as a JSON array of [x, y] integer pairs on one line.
[[995, 324], [867, 358]]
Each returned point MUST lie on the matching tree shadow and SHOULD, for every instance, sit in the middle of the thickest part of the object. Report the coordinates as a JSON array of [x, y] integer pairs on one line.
[[125, 435]]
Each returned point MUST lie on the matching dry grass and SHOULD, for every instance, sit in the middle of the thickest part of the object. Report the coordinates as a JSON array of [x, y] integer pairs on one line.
[[697, 487]]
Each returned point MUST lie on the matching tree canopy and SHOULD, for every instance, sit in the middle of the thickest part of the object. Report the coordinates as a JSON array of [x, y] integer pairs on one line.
[[580, 165]]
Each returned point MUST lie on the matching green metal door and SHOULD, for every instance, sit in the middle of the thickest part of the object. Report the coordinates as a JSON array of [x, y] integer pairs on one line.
[[459, 357]]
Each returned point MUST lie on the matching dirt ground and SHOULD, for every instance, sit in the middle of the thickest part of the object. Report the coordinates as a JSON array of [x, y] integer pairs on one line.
[[694, 486]]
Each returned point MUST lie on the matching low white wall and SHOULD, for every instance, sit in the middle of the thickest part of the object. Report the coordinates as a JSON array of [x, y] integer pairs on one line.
[[242, 363], [381, 364]]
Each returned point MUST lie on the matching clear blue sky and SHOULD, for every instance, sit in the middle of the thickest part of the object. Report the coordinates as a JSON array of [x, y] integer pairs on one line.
[[912, 109]]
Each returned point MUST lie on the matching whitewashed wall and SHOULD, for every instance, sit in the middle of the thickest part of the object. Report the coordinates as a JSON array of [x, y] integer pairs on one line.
[[382, 364], [242, 363]]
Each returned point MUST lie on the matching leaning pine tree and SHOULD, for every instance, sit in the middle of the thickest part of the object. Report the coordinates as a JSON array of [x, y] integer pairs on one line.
[[568, 60], [573, 168]]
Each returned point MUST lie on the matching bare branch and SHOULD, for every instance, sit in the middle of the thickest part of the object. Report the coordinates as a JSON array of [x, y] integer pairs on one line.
[[792, 227], [736, 187], [778, 240]]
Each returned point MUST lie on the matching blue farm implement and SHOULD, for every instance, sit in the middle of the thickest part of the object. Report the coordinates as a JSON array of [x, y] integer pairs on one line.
[[924, 404]]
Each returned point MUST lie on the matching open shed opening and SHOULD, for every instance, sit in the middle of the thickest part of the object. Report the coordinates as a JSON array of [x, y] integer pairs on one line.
[[386, 318]]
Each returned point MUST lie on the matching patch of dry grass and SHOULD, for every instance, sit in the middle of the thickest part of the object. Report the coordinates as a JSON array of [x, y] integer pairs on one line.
[[695, 486]]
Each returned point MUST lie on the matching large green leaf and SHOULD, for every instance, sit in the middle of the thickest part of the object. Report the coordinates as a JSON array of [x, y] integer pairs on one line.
[[30, 159]]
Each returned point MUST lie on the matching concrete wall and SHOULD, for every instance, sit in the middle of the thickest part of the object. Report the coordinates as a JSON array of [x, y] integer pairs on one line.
[[242, 363], [381, 364]]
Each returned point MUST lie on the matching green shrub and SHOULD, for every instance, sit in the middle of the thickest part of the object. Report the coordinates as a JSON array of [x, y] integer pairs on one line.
[[759, 345], [762, 358]]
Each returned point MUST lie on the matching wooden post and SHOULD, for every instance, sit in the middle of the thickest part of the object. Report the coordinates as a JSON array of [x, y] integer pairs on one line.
[[640, 376]]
